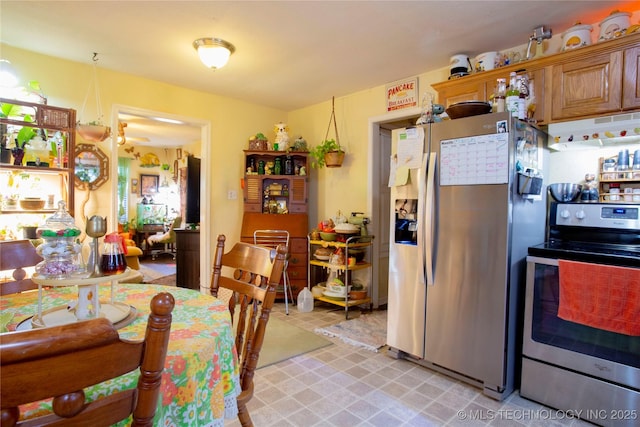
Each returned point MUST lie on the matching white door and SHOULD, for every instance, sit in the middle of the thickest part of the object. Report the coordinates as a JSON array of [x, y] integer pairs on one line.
[[383, 214]]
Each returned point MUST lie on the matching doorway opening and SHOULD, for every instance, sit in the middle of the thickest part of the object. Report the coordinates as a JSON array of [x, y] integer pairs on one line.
[[166, 140]]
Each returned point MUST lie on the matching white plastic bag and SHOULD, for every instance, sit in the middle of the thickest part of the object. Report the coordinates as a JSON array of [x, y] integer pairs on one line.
[[305, 301]]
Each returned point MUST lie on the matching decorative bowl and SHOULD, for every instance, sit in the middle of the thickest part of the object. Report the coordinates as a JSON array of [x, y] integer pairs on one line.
[[329, 237], [358, 294], [565, 191], [31, 203], [94, 133], [467, 109]]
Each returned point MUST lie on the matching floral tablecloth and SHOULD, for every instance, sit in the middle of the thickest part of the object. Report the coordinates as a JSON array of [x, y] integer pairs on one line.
[[200, 381]]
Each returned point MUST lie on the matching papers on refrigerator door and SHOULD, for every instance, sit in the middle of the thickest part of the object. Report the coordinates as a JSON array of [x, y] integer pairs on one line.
[[409, 150], [475, 160], [410, 147]]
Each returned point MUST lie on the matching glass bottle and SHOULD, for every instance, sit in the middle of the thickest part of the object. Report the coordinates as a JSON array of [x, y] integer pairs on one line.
[[513, 95], [522, 97], [261, 167], [501, 91], [288, 166], [277, 169]]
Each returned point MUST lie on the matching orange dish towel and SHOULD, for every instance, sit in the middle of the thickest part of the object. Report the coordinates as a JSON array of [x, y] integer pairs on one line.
[[601, 296]]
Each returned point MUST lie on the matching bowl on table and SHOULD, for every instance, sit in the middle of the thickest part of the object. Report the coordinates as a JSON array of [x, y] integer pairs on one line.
[[565, 191]]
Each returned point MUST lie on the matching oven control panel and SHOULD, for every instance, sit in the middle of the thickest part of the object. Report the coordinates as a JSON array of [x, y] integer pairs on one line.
[[598, 215]]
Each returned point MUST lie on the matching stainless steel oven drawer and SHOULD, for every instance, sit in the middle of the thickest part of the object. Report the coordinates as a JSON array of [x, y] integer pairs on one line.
[[597, 401]]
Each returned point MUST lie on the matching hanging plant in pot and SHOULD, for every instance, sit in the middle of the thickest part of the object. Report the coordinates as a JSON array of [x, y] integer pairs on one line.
[[329, 153], [94, 131]]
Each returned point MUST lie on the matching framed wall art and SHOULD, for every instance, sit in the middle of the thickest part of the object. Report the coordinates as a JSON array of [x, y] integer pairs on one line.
[[149, 184]]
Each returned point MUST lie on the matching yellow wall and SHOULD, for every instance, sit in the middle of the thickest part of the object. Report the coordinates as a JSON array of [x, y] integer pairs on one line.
[[66, 83], [345, 188]]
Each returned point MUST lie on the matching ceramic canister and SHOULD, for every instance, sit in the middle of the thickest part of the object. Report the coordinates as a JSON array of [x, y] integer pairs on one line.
[[577, 36], [614, 25], [487, 61]]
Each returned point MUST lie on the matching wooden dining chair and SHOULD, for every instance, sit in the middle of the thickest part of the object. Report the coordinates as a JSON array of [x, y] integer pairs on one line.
[[271, 239], [17, 255], [61, 361], [251, 273]]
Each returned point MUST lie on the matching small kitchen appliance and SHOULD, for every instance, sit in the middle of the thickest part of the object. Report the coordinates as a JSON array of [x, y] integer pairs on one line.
[[586, 361], [358, 218]]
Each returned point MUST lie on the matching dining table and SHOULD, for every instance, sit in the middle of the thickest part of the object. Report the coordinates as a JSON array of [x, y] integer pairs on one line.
[[200, 381]]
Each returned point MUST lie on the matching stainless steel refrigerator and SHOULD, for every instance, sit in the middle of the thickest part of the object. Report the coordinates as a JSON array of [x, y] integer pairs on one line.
[[467, 201]]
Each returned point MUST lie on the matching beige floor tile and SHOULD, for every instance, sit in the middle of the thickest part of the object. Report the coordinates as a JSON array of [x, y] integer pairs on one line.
[[341, 385]]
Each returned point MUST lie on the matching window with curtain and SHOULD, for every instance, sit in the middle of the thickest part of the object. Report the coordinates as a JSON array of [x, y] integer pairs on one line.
[[123, 191]]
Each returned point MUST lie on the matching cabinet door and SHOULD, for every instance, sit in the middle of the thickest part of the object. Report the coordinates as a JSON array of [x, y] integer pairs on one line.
[[253, 193], [298, 195], [588, 86], [631, 85], [464, 91]]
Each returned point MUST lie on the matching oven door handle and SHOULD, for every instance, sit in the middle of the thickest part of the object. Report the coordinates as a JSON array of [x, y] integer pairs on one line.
[[545, 261]]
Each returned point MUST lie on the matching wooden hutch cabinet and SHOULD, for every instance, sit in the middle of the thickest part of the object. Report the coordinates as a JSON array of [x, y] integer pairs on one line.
[[279, 202]]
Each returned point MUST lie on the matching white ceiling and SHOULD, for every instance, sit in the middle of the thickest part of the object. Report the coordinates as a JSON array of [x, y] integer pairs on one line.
[[289, 54]]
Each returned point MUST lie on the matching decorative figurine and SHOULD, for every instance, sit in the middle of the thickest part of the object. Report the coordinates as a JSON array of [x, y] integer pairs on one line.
[[282, 136]]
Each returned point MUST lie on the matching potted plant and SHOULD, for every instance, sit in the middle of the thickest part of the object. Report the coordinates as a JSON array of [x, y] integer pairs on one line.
[[329, 153], [93, 131]]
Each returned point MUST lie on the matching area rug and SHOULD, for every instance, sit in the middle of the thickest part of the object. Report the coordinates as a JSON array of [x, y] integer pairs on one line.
[[283, 341], [169, 280], [149, 274], [369, 331]]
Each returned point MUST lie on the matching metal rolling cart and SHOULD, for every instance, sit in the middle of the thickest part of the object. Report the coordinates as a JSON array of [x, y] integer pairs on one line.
[[352, 245]]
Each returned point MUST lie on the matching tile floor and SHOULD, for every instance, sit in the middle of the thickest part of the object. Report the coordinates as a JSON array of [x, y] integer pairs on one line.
[[341, 385]]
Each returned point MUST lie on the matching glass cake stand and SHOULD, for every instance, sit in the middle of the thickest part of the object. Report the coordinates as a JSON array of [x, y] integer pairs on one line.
[[87, 305]]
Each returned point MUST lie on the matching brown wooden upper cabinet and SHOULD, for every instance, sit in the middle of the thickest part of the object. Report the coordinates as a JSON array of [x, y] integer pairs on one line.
[[480, 86], [586, 86], [631, 78], [603, 78]]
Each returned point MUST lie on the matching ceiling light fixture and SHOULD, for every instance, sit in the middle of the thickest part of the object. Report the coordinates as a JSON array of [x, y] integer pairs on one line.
[[214, 53]]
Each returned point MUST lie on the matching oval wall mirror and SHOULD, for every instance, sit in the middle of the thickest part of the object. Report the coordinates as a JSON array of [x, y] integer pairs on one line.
[[91, 166]]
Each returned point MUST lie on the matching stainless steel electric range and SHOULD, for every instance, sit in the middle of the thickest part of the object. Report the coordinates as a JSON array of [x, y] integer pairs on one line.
[[589, 369]]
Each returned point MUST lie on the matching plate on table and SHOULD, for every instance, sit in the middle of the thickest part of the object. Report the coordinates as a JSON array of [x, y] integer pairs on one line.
[[118, 313]]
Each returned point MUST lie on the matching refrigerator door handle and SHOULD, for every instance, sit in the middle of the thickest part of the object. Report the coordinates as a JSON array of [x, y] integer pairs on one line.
[[421, 219], [429, 218]]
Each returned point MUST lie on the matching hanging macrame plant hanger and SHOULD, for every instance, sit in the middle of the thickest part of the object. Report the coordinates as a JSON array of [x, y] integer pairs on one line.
[[94, 131], [333, 159]]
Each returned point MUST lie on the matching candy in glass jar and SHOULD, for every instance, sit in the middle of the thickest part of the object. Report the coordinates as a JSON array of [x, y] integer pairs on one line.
[[59, 248]]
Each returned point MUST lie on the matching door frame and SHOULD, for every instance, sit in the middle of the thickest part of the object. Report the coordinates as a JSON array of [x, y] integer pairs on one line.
[[373, 199], [205, 177]]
